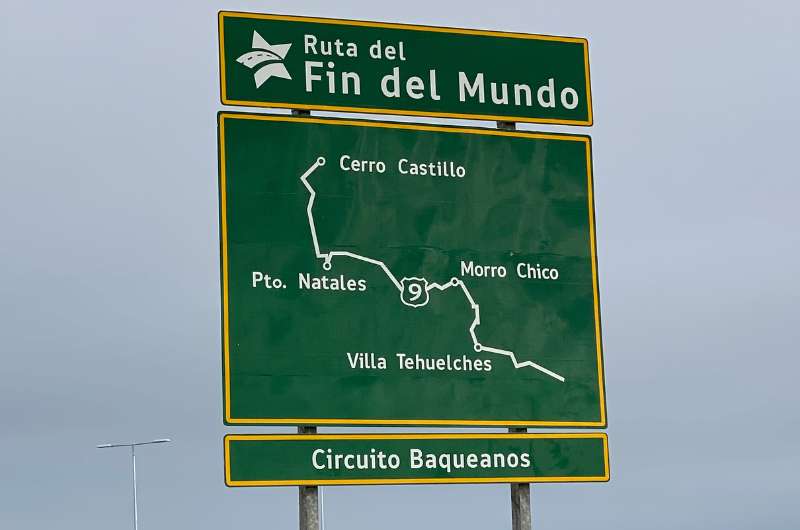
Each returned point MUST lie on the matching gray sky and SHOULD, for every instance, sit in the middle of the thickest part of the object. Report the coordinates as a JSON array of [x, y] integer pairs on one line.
[[110, 290]]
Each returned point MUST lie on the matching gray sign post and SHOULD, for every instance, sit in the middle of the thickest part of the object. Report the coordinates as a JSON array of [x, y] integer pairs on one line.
[[520, 492], [308, 495]]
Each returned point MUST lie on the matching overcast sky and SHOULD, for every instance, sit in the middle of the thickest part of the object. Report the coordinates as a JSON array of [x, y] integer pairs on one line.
[[109, 292]]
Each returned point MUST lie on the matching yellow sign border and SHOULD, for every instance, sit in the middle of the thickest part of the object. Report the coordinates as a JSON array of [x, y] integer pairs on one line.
[[414, 27], [437, 436], [399, 422]]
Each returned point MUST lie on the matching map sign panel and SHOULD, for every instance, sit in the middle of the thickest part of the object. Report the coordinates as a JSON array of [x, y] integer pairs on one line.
[[348, 459], [378, 67], [396, 274]]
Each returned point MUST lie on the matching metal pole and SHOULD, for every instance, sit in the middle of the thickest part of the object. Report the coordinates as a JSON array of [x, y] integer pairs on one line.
[[135, 505], [520, 500], [520, 493], [308, 495], [133, 469]]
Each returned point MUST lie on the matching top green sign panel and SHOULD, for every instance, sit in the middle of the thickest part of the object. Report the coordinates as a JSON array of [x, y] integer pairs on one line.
[[376, 67]]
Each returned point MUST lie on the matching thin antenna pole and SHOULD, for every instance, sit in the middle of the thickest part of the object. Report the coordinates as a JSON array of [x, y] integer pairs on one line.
[[135, 505]]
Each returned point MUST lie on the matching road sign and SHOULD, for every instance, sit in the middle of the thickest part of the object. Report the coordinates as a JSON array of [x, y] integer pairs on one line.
[[348, 459], [396, 274], [376, 67]]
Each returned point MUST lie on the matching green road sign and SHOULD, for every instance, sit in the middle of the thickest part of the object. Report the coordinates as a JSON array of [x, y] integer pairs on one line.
[[387, 273], [331, 459], [348, 65]]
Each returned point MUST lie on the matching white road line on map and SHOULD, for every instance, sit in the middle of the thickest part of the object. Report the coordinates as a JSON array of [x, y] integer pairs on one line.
[[380, 264], [518, 364], [304, 178], [454, 282]]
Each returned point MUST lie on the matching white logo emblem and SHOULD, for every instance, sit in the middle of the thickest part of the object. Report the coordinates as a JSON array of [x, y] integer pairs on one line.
[[264, 52]]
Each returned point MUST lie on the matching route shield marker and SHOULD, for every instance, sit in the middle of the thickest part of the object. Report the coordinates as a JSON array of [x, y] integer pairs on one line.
[[402, 274], [352, 459], [385, 68]]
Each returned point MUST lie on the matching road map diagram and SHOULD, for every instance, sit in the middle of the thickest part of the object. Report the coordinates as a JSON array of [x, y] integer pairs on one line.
[[410, 285], [380, 273]]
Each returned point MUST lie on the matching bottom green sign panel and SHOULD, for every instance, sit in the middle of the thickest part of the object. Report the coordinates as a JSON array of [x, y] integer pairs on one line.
[[329, 459]]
